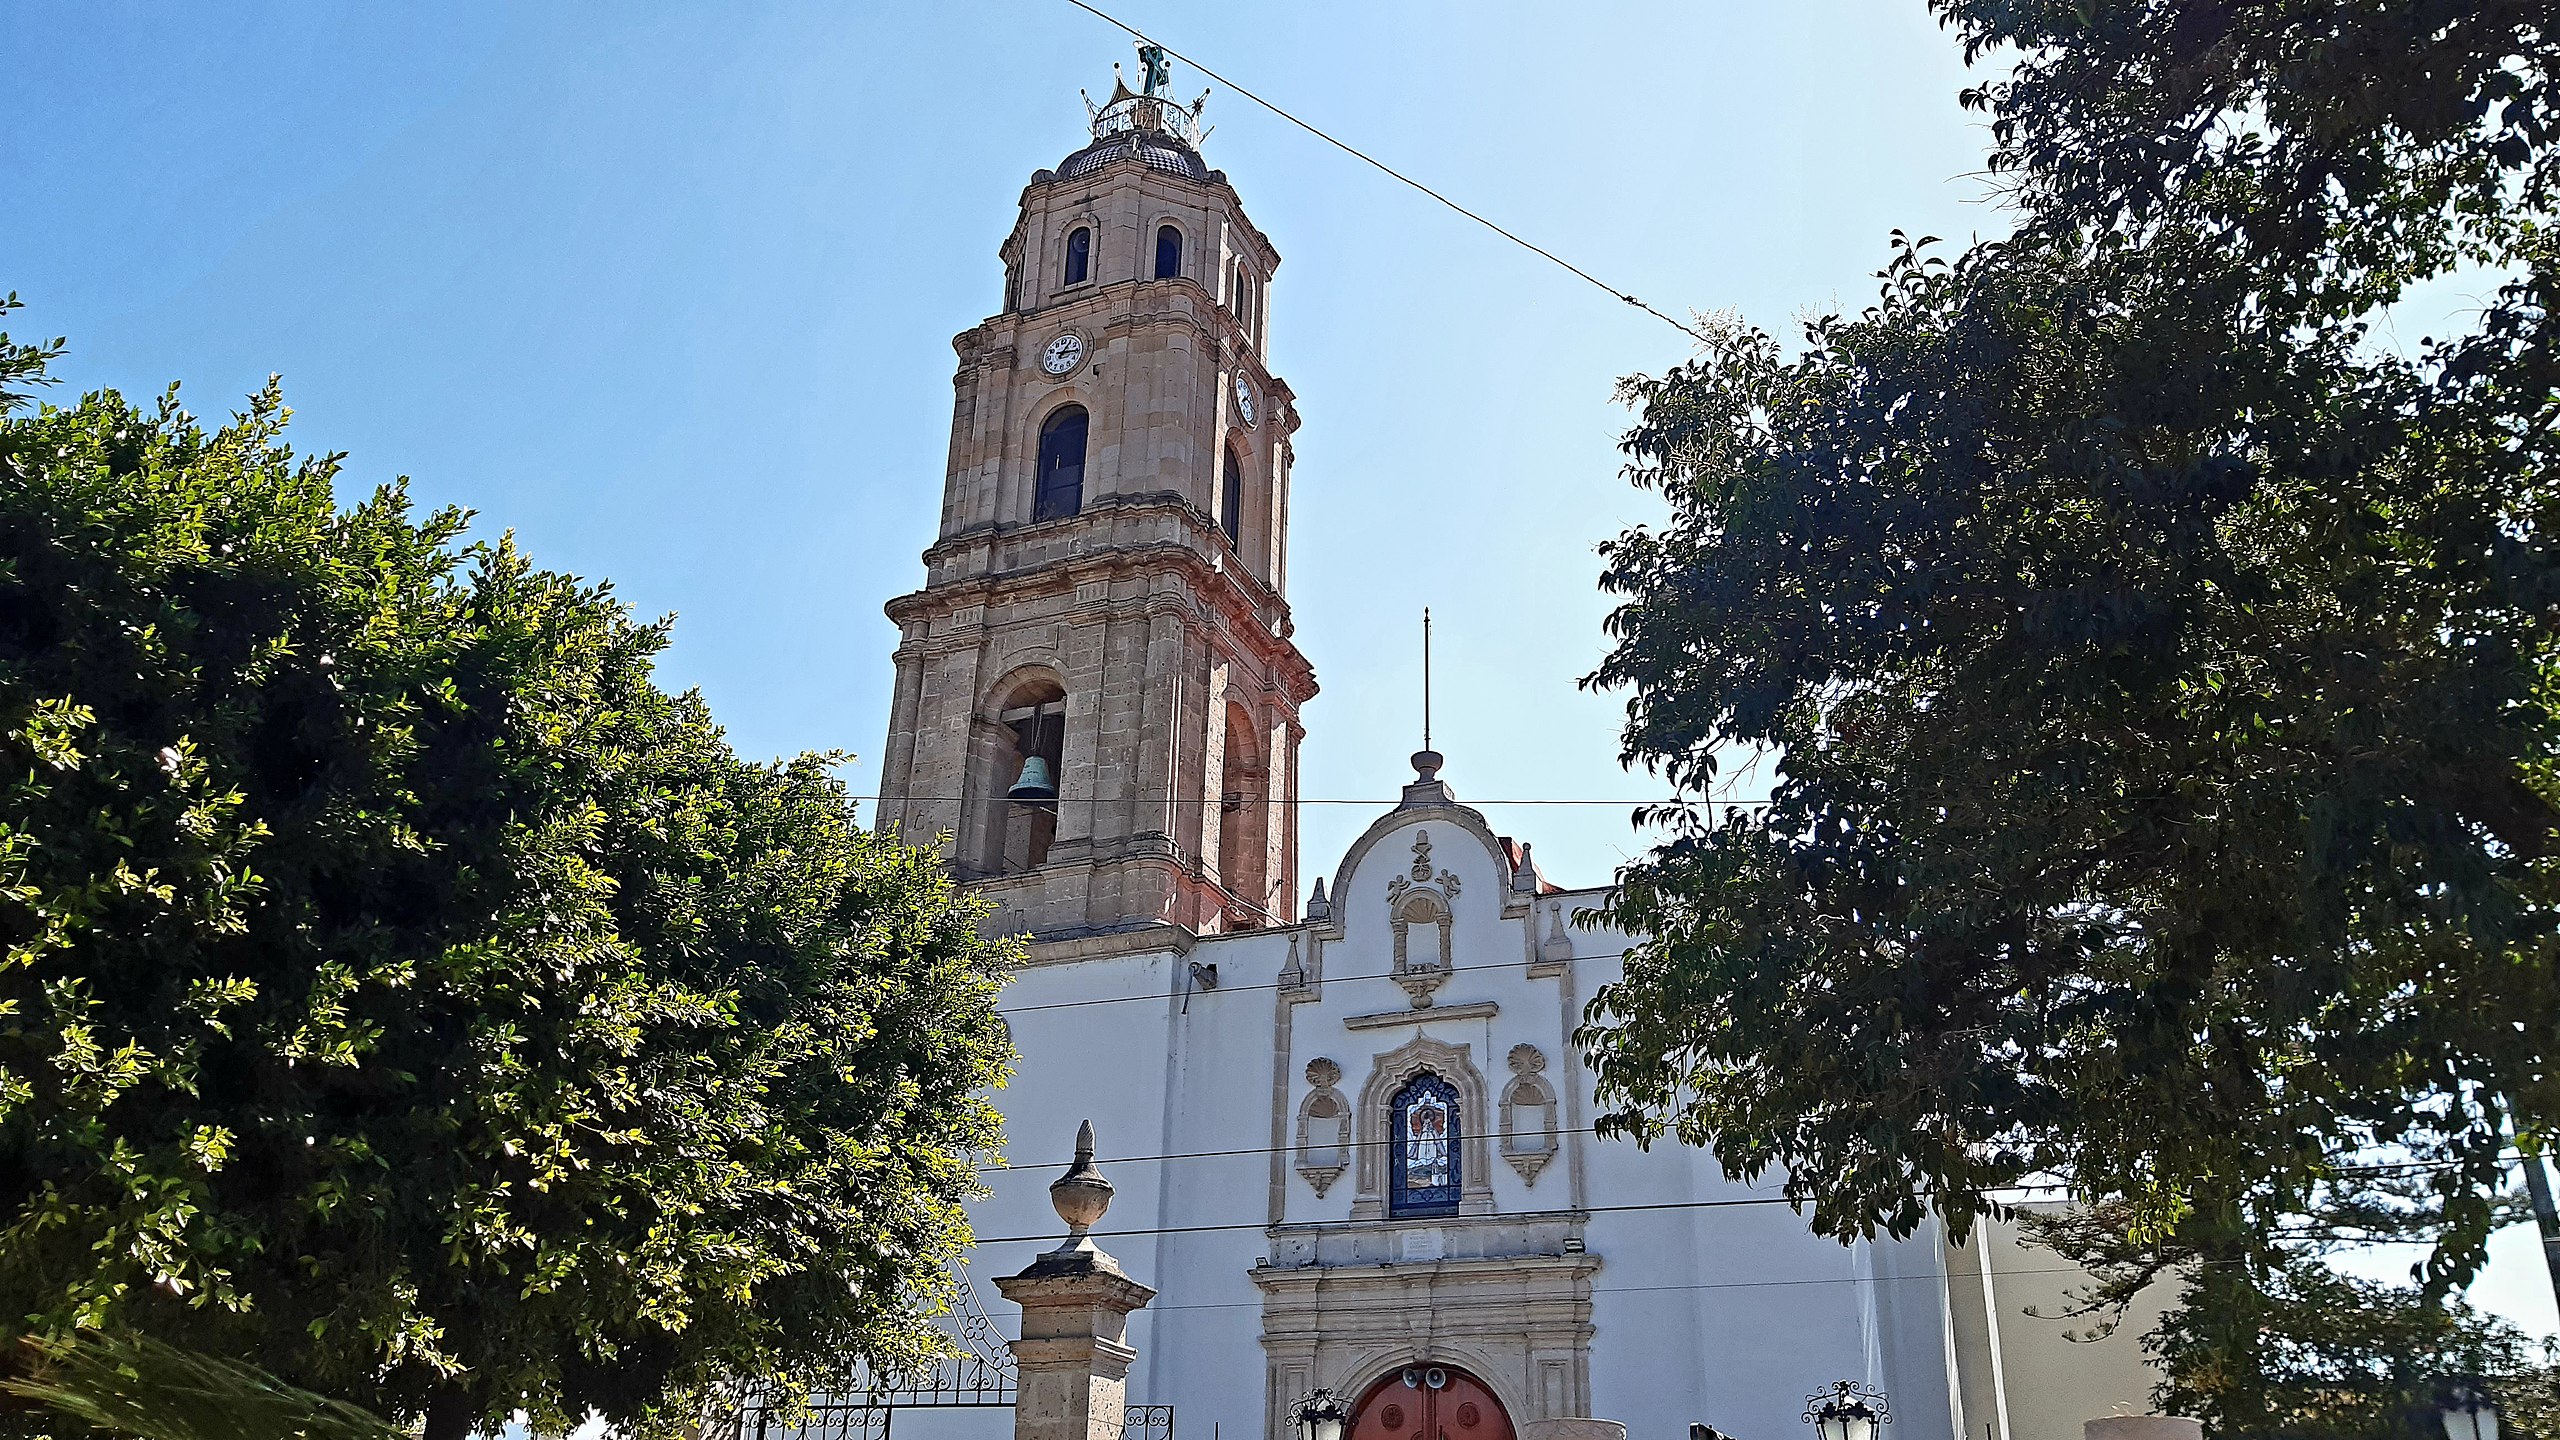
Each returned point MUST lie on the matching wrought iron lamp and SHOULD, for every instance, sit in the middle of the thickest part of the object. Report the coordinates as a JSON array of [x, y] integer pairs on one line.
[[2467, 1409], [1847, 1412], [1322, 1417]]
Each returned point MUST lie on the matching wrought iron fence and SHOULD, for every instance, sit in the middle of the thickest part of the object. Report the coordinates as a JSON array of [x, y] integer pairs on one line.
[[971, 1379], [823, 1421], [870, 1418]]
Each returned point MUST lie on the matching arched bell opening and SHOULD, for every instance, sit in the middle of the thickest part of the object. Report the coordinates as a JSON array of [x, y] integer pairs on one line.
[[1244, 821], [1429, 1401], [1016, 773]]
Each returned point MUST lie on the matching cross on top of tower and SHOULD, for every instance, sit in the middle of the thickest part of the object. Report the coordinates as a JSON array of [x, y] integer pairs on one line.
[[1148, 109]]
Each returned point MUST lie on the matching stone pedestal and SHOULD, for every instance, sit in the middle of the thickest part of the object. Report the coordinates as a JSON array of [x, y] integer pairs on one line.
[[1073, 1357]]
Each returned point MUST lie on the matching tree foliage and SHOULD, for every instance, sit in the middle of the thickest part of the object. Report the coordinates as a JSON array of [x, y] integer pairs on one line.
[[2157, 666], [401, 990], [120, 1385]]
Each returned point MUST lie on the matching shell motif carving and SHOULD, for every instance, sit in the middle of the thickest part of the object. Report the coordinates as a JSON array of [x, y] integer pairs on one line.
[[1324, 1127], [1529, 1138]]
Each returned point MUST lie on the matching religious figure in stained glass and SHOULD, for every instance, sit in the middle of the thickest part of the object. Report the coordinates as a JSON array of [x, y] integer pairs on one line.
[[1423, 1152]]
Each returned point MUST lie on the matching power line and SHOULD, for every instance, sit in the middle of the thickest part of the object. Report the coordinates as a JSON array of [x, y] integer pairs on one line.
[[1391, 172], [1737, 1203], [1036, 1168], [1997, 1273], [1274, 985], [1220, 799]]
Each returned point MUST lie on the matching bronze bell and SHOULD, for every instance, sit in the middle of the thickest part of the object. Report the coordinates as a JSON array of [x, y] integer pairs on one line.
[[1035, 783]]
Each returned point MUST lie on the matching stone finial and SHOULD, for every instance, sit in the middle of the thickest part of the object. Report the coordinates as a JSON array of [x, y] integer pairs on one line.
[[1081, 1195], [1524, 879], [1558, 946], [1427, 787], [1318, 906]]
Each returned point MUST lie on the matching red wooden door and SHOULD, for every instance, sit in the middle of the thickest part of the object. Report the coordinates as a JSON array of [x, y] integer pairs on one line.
[[1430, 1402]]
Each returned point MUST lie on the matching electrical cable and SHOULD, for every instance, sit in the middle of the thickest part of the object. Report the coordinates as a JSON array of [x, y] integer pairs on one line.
[[1996, 1272], [1386, 803], [1390, 172], [1275, 985], [1737, 1203], [1036, 1168]]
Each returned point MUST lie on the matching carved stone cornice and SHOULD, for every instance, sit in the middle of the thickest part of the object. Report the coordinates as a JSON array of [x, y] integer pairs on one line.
[[1389, 1019], [1125, 167], [1256, 617]]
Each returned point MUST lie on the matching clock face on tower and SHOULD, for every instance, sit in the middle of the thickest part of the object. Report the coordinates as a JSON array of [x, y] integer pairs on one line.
[[1063, 354], [1244, 400]]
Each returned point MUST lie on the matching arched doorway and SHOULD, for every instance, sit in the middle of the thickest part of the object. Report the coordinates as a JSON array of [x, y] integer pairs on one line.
[[1429, 1402]]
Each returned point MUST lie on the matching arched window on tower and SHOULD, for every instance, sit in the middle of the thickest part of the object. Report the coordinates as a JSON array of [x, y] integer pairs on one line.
[[1058, 490], [1079, 255], [1422, 1148], [1168, 252], [1244, 819], [1231, 497]]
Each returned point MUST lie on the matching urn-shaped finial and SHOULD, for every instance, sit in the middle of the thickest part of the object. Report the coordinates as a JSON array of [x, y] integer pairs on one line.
[[1081, 1195]]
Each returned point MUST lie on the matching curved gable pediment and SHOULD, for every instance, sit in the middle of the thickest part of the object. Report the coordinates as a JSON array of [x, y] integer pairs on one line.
[[1422, 882]]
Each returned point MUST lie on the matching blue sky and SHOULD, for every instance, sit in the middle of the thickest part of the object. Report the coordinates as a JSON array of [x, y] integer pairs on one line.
[[668, 291]]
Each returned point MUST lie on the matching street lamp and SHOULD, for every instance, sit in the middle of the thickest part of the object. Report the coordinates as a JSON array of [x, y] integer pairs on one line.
[[2467, 1410], [1322, 1416], [1854, 1412]]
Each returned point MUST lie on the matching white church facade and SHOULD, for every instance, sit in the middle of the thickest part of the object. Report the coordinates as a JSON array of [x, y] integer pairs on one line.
[[1351, 1134]]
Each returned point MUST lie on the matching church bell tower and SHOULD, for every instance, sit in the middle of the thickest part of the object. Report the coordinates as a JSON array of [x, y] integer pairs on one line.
[[1097, 703]]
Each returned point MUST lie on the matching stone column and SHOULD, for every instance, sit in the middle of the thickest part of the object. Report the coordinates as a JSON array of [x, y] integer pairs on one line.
[[1074, 1354]]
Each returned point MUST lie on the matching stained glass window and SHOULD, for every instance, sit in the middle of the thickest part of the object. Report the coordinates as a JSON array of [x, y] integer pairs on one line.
[[1423, 1153]]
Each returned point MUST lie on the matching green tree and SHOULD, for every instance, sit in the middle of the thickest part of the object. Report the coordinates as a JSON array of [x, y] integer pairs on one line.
[[119, 1385], [404, 992], [2158, 671]]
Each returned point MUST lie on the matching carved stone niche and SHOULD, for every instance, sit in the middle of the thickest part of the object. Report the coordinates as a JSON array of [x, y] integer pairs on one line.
[[1390, 1071], [1324, 1127], [1422, 899], [1528, 1115]]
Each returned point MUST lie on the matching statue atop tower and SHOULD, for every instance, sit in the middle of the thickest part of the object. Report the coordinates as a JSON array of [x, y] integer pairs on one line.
[[1098, 696]]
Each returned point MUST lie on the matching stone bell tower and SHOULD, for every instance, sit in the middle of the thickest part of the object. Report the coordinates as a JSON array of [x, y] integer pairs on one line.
[[1097, 703]]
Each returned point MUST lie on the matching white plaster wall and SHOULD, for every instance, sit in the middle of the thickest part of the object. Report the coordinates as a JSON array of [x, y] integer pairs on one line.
[[1161, 1073], [1728, 1314]]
